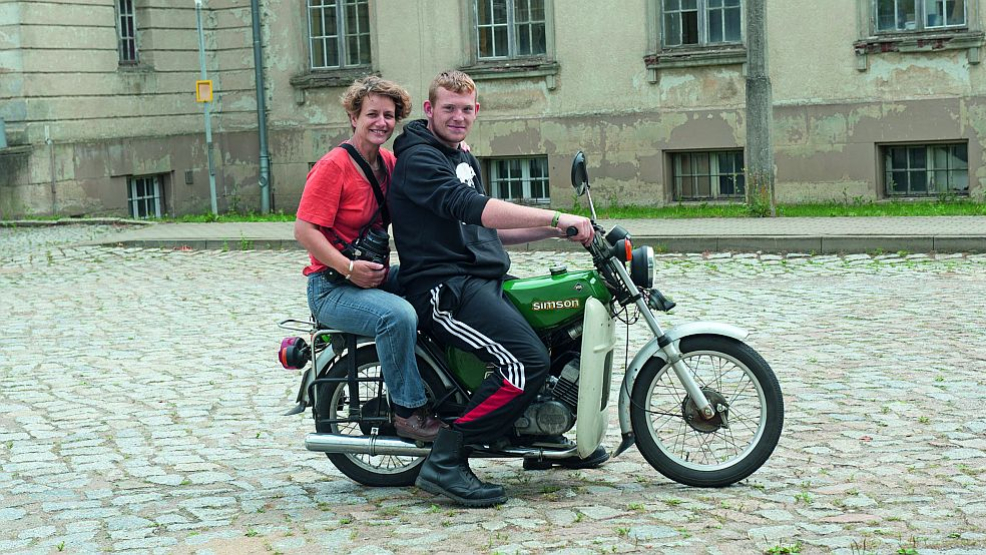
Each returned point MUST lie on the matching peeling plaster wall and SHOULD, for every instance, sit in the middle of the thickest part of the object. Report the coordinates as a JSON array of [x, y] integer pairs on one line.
[[109, 122]]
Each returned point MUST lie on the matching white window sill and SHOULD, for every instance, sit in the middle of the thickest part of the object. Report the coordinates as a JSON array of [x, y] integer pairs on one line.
[[517, 68], [694, 56]]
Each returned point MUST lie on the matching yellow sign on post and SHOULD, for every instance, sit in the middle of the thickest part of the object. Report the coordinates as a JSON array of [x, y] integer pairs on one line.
[[203, 91]]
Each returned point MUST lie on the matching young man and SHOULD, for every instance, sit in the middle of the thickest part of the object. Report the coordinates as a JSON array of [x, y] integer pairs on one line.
[[450, 237]]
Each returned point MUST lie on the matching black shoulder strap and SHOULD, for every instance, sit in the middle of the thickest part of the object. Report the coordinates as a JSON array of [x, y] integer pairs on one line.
[[377, 192]]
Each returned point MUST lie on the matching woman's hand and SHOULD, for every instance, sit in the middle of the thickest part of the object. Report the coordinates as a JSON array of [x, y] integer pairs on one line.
[[367, 274]]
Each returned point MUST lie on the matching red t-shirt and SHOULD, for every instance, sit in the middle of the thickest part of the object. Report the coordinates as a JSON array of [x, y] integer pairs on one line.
[[338, 198]]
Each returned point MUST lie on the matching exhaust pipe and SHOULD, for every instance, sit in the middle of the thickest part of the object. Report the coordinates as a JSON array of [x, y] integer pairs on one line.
[[364, 445], [379, 446]]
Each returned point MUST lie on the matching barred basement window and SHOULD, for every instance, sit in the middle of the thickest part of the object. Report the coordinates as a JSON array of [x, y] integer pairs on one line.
[[339, 33], [924, 170], [126, 27], [144, 197], [522, 180], [510, 28], [917, 15], [708, 175]]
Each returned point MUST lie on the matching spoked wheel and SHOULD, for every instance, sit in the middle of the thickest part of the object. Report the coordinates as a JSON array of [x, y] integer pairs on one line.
[[381, 470], [679, 443]]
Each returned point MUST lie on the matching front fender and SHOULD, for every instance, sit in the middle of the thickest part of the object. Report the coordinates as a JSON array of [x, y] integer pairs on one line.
[[652, 350]]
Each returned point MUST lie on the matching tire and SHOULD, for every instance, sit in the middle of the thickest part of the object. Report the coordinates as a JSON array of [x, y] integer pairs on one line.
[[705, 453], [375, 471]]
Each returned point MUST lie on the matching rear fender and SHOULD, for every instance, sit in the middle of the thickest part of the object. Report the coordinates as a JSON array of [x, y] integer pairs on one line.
[[652, 350]]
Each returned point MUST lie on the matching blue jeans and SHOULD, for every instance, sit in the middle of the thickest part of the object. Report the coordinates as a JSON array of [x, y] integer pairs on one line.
[[379, 314]]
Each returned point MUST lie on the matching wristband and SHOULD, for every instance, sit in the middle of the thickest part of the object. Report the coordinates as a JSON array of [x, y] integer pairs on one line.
[[350, 274], [554, 220]]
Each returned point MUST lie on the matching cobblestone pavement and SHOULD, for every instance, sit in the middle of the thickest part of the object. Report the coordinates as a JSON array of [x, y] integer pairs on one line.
[[140, 408]]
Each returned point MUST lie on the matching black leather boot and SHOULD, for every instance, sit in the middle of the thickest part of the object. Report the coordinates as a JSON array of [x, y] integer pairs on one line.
[[446, 472]]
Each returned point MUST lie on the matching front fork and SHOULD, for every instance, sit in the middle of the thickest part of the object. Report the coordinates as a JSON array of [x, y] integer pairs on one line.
[[667, 346]]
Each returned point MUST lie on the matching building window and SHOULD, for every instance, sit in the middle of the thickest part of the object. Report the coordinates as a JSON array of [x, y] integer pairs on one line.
[[920, 170], [126, 27], [701, 22], [510, 28], [339, 33], [144, 197], [523, 180], [708, 175], [917, 15]]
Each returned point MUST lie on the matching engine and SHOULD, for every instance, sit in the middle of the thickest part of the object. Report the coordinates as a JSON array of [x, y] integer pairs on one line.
[[553, 413]]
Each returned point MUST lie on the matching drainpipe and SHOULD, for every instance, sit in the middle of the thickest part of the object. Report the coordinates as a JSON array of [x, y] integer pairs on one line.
[[258, 64]]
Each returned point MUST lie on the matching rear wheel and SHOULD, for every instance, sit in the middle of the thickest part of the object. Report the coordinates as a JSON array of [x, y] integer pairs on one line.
[[685, 447], [333, 403]]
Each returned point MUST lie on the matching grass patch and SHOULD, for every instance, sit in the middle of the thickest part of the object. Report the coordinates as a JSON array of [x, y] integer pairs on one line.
[[817, 210]]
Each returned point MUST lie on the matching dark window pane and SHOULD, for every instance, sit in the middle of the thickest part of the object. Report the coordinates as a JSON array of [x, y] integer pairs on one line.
[[499, 11], [500, 41], [740, 184], [715, 3], [959, 180], [672, 29], [537, 10], [898, 182], [885, 16], [524, 40], [906, 14], [726, 163], [726, 185], [919, 182], [959, 156], [483, 13], [671, 5], [539, 45], [954, 12], [715, 26], [701, 162], [521, 11], [898, 158], [485, 42], [364, 49], [689, 28], [917, 156], [689, 4], [703, 186], [733, 25]]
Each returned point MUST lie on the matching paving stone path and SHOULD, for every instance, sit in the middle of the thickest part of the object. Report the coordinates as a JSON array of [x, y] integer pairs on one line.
[[140, 410]]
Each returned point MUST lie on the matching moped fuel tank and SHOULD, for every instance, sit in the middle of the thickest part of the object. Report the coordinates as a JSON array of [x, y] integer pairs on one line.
[[547, 301]]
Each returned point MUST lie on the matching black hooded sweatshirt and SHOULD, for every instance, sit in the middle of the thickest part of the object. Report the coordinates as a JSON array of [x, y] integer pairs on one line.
[[436, 201]]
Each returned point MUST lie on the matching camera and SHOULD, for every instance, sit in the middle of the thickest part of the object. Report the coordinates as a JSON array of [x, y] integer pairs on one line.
[[374, 247]]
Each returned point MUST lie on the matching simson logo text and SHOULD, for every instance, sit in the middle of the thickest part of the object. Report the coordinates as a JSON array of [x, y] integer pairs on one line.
[[555, 305]]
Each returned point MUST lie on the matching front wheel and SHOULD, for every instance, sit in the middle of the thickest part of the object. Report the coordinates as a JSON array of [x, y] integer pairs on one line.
[[679, 443]]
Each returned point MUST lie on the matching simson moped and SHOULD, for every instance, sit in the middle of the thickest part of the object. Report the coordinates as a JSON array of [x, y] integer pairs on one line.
[[703, 407]]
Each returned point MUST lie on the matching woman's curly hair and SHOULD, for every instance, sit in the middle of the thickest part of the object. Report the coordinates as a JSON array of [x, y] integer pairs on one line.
[[352, 99]]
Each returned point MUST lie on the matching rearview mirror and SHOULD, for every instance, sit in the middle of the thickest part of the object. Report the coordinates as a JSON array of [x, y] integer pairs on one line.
[[580, 175]]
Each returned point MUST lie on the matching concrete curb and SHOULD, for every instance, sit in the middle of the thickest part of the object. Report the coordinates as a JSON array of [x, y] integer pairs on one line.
[[74, 221], [827, 244]]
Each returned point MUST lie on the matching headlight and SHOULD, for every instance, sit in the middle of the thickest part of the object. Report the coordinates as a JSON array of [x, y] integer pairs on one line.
[[642, 267]]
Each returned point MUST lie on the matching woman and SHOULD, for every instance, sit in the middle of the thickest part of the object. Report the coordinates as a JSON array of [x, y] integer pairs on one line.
[[338, 206]]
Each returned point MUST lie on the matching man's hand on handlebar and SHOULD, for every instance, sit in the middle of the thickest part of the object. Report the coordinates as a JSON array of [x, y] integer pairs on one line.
[[583, 231]]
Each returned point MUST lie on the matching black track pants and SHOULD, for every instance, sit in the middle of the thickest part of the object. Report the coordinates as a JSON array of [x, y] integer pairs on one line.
[[472, 314]]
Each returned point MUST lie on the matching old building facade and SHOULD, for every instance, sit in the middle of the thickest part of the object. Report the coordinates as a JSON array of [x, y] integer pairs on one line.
[[873, 99]]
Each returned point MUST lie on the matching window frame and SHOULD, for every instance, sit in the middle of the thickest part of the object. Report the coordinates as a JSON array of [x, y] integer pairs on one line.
[[870, 40], [124, 55], [921, 17], [661, 57], [525, 179], [929, 169], [341, 37], [539, 66], [512, 32], [135, 201], [716, 195], [704, 10]]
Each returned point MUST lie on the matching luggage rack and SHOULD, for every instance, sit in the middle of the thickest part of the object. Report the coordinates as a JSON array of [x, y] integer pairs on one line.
[[339, 341]]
